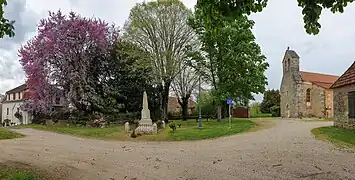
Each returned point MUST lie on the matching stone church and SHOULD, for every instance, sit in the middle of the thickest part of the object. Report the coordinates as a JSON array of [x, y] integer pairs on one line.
[[304, 94]]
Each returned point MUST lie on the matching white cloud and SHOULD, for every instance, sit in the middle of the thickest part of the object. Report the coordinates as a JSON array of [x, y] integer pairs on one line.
[[278, 26]]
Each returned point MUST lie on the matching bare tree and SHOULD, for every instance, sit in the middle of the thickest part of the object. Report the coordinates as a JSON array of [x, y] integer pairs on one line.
[[160, 27]]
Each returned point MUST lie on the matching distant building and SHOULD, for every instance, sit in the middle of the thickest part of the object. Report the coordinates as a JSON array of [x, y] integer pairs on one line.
[[304, 93], [14, 98], [344, 99], [175, 108]]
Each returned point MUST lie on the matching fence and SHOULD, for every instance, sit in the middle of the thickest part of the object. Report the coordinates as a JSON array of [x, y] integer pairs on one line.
[[240, 112]]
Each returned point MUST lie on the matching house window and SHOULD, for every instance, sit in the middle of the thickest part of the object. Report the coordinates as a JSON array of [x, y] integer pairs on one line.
[[8, 97], [351, 104], [7, 111], [19, 95], [308, 97], [18, 109], [13, 96], [57, 100]]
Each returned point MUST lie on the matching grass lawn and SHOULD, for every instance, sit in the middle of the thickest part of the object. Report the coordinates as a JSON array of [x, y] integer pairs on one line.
[[210, 129], [78, 131], [7, 134], [261, 115], [316, 119], [8, 173], [338, 136], [187, 131]]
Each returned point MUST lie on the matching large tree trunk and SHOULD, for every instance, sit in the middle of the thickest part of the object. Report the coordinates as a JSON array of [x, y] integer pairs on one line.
[[185, 107], [219, 113], [165, 99]]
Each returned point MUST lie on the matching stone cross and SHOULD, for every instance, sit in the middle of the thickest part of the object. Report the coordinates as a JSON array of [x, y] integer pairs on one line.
[[126, 127]]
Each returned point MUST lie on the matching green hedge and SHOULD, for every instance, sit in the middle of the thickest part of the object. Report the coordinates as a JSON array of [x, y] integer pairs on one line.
[[275, 111]]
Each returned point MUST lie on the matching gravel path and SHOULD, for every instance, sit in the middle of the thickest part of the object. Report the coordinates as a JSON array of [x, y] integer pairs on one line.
[[285, 151]]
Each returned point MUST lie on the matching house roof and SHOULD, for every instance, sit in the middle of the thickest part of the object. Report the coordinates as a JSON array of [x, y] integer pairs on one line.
[[347, 78], [173, 102], [17, 89], [322, 80]]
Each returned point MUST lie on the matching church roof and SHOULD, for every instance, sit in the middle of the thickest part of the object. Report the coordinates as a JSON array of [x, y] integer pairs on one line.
[[292, 53], [347, 78], [322, 80]]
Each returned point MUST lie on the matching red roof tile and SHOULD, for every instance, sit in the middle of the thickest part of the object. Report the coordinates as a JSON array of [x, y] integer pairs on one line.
[[17, 89], [323, 80], [347, 78], [174, 103]]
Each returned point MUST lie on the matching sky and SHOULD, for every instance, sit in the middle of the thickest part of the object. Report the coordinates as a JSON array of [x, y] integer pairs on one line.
[[278, 26]]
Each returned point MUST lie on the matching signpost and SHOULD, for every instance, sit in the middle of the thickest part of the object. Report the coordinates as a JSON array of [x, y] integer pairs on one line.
[[229, 102]]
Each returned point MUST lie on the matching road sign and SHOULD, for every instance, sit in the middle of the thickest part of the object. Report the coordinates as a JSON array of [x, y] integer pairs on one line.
[[229, 101]]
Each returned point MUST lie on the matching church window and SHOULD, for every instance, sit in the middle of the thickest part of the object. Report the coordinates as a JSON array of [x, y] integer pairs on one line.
[[308, 97], [286, 93], [289, 63], [351, 104]]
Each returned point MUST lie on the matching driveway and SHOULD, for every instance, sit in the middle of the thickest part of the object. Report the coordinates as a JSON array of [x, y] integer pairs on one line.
[[285, 151]]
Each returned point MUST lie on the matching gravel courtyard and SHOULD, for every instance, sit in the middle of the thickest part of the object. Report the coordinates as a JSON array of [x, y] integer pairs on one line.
[[285, 151]]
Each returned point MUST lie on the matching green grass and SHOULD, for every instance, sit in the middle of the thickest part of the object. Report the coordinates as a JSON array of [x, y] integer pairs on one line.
[[187, 131], [261, 115], [7, 134], [7, 173], [338, 136], [210, 129], [78, 131]]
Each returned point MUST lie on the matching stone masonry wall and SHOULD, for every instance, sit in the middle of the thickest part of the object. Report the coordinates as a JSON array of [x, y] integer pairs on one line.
[[329, 103], [288, 87], [317, 105], [340, 106], [288, 96]]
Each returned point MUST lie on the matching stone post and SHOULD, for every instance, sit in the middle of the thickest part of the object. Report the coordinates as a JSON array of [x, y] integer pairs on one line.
[[155, 128], [126, 127], [163, 124]]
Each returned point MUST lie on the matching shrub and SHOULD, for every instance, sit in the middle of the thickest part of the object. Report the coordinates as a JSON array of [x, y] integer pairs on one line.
[[172, 125], [160, 124], [275, 111], [7, 122]]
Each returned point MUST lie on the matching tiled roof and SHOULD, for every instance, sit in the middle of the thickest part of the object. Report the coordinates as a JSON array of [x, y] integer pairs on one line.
[[347, 78], [173, 103], [323, 80], [17, 89]]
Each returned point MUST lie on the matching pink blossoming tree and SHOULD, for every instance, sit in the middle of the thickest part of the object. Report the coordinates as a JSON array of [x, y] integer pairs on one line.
[[68, 57]]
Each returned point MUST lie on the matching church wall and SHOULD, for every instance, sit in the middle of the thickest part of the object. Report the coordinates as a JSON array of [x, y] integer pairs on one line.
[[288, 96], [317, 104], [288, 89]]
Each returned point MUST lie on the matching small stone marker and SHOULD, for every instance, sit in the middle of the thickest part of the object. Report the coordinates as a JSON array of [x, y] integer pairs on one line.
[[163, 124], [126, 127], [155, 128]]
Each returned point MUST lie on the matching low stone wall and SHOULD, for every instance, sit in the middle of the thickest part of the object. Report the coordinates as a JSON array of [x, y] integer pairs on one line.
[[346, 125]]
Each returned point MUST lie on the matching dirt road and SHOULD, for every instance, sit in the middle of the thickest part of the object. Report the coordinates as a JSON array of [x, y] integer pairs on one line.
[[286, 151]]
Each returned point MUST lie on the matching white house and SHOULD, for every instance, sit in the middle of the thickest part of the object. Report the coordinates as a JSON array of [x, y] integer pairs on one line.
[[12, 104]]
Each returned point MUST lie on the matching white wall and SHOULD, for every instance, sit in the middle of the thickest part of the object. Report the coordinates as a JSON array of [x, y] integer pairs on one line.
[[12, 106]]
